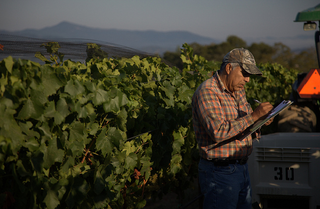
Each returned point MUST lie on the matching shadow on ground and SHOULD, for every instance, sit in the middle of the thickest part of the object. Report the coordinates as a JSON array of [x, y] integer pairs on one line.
[[170, 201]]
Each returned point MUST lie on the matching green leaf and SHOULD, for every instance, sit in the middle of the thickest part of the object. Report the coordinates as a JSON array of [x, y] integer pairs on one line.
[[102, 143], [106, 142], [21, 169], [129, 147], [62, 107], [178, 142], [114, 135], [62, 111], [74, 87], [32, 144], [175, 165], [51, 83], [69, 163], [51, 199], [141, 204], [50, 110], [146, 137], [77, 132], [37, 160], [52, 154], [8, 125], [90, 86], [90, 109], [9, 64], [3, 83], [131, 161], [185, 93], [46, 130], [168, 89], [94, 128], [27, 110], [99, 183], [119, 100], [58, 118], [78, 192], [76, 147], [169, 92], [136, 60], [40, 56], [31, 109], [38, 96], [52, 47], [121, 120], [100, 96], [146, 166]]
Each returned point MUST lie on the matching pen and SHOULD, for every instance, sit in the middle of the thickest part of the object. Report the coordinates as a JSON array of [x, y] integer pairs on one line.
[[257, 101]]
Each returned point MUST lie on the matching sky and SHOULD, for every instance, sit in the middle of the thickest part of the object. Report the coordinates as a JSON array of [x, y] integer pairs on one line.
[[255, 20]]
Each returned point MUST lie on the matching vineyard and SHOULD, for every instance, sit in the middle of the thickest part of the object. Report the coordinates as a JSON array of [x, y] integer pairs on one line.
[[110, 133]]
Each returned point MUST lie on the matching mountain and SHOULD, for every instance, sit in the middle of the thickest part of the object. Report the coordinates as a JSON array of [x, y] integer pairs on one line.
[[149, 41]]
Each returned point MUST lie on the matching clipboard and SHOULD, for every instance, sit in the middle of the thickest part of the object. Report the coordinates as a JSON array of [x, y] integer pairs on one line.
[[274, 112]]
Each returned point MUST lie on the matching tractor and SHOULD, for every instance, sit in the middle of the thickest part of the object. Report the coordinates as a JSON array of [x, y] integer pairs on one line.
[[285, 166]]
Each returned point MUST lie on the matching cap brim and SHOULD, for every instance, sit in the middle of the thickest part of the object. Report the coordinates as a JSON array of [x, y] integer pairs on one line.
[[251, 69]]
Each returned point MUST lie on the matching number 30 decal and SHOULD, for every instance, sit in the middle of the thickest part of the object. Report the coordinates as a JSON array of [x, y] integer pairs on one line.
[[289, 173]]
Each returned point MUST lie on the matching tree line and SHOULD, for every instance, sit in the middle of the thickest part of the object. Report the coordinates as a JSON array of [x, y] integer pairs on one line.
[[279, 53]]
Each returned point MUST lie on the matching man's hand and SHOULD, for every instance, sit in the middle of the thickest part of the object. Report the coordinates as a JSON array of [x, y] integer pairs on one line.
[[261, 111], [269, 122]]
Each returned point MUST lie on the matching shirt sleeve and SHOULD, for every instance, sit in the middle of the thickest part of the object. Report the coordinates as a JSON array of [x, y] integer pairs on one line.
[[211, 115]]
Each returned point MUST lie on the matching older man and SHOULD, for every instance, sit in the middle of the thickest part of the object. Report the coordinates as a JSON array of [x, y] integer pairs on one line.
[[221, 114]]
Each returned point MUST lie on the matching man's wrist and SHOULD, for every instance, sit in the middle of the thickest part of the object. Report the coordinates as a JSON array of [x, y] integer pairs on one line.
[[254, 117]]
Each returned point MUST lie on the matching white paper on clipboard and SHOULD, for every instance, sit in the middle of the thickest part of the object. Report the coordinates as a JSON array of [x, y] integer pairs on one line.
[[274, 112]]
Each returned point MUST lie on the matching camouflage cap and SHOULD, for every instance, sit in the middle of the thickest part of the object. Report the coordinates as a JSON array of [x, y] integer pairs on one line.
[[244, 58]]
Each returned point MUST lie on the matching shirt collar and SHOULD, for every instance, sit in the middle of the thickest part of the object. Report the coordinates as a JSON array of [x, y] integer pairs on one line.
[[220, 83]]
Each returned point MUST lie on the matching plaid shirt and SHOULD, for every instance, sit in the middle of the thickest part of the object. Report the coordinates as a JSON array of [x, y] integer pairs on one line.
[[218, 118]]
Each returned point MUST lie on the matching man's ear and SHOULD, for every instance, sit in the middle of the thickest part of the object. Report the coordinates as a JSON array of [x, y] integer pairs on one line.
[[228, 68]]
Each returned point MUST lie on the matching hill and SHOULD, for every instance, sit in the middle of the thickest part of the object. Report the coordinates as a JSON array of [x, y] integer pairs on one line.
[[149, 41]]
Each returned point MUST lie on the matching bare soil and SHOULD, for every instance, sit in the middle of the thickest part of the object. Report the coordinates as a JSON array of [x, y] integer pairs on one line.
[[171, 200]]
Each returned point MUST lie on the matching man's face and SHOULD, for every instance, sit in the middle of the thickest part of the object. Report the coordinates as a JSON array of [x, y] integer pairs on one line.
[[237, 78]]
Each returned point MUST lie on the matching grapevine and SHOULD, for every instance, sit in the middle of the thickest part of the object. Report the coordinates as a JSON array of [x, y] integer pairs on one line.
[[110, 133]]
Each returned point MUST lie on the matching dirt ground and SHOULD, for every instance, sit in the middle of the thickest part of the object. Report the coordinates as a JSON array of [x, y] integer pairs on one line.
[[170, 201]]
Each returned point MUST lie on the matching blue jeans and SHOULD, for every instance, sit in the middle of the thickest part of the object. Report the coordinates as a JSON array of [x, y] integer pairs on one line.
[[225, 187]]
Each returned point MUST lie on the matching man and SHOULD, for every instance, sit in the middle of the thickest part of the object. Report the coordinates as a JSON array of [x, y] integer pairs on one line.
[[221, 114]]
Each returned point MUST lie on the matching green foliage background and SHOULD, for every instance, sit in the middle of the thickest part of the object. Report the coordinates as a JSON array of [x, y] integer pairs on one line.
[[302, 61], [110, 133]]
